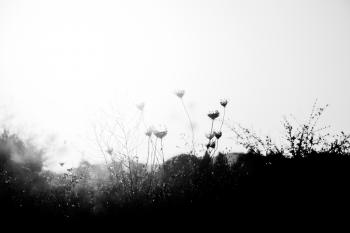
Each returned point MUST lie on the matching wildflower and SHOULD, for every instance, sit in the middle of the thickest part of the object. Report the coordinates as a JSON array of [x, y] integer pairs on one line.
[[180, 93], [223, 102], [61, 164], [149, 131], [140, 106], [207, 145], [213, 114], [209, 135], [160, 134], [110, 151], [218, 134]]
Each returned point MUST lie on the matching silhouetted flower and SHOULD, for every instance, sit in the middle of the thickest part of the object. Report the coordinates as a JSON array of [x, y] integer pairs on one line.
[[209, 135], [223, 102], [180, 93], [218, 134], [110, 151], [214, 114], [140, 106], [149, 131], [160, 134], [207, 145], [61, 164]]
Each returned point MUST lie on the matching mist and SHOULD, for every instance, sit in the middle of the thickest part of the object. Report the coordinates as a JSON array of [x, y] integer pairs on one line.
[[190, 111], [63, 63]]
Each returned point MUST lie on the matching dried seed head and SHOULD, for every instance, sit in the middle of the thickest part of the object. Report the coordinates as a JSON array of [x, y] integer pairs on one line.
[[110, 150], [209, 135], [223, 102], [160, 134], [213, 114], [140, 106], [149, 131], [180, 93], [218, 134]]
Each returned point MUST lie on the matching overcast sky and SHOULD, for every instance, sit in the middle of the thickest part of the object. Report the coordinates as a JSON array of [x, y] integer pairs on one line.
[[64, 62]]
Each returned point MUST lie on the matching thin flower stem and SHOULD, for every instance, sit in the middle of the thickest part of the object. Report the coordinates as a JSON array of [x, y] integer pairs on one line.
[[223, 118], [191, 124], [139, 121], [217, 140], [216, 146], [149, 139], [211, 131], [154, 155], [161, 146]]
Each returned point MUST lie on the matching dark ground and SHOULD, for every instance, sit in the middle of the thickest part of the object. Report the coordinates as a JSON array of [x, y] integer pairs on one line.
[[255, 191]]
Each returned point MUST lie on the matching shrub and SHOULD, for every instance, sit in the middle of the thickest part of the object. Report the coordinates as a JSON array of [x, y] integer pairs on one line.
[[300, 140]]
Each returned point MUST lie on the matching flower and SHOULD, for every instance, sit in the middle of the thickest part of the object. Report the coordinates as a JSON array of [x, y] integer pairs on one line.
[[218, 134], [213, 114], [160, 133], [207, 145], [110, 150], [61, 164], [223, 102], [180, 93], [149, 131], [209, 135], [140, 106]]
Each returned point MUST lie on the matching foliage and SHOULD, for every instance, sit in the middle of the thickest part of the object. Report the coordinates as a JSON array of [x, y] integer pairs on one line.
[[309, 169], [300, 139]]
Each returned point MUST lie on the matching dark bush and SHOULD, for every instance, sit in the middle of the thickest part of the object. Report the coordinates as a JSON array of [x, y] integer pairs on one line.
[[185, 187]]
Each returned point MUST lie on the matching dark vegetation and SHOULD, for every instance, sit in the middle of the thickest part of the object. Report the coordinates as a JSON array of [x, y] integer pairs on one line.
[[306, 177]]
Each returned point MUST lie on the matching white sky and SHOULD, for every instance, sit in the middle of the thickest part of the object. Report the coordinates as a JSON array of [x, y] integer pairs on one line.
[[61, 62]]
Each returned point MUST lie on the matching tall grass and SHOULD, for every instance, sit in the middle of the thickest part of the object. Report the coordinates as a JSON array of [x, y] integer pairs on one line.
[[311, 166]]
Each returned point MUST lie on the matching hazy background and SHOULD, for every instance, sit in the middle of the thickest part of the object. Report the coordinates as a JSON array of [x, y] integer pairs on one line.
[[64, 62]]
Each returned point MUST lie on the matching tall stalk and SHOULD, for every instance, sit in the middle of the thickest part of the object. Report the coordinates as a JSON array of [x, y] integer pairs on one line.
[[191, 124], [154, 156], [149, 139], [222, 122], [161, 149], [223, 119], [212, 115], [211, 131]]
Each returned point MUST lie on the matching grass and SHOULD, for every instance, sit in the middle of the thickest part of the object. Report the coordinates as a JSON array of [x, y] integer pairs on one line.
[[308, 174]]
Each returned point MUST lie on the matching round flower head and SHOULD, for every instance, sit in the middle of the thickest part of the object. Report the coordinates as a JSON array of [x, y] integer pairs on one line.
[[140, 106], [213, 114], [149, 131], [110, 151], [223, 103], [209, 135], [218, 134], [180, 93], [160, 134], [207, 145]]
